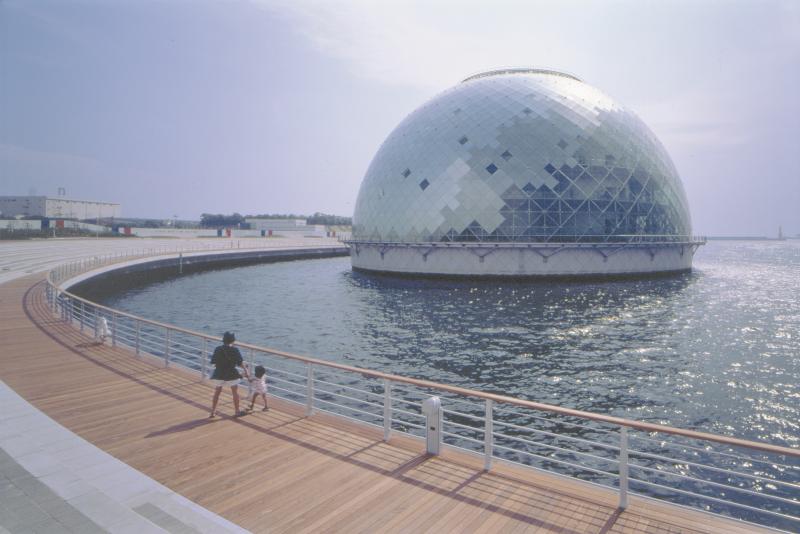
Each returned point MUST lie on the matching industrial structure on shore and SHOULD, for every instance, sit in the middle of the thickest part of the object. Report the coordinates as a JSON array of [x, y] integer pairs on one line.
[[57, 208]]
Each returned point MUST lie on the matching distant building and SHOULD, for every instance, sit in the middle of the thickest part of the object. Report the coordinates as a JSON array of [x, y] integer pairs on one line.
[[287, 227], [56, 208]]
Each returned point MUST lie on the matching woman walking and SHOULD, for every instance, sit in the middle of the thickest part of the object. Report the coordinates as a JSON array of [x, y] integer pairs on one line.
[[226, 359]]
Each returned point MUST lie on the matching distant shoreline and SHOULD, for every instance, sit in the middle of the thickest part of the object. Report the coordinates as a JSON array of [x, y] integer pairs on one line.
[[747, 238]]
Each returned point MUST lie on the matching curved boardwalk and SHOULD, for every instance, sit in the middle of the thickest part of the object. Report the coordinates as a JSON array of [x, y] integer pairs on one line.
[[280, 471]]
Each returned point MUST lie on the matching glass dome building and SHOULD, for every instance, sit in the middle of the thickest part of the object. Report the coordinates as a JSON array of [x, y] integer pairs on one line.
[[522, 172]]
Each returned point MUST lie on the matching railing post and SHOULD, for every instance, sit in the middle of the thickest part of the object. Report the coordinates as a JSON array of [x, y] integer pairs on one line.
[[623, 467], [95, 322], [310, 389], [138, 335], [432, 410], [114, 329], [83, 315], [387, 409], [203, 360], [488, 435], [166, 347]]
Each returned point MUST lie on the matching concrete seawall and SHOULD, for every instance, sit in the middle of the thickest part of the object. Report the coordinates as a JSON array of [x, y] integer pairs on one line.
[[151, 269]]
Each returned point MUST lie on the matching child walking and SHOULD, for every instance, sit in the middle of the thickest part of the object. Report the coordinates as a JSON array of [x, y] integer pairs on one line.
[[102, 331], [258, 386]]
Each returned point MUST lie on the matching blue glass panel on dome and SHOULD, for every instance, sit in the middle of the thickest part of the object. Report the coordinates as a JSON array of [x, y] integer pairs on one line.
[[555, 137]]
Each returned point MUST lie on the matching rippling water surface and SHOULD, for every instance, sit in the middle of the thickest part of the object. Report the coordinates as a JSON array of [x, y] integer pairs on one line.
[[717, 349]]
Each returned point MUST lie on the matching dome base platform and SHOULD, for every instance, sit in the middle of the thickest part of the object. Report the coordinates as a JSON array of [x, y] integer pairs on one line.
[[524, 260]]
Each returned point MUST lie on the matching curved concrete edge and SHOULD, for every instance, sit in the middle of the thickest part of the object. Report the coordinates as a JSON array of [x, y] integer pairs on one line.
[[108, 492], [206, 260]]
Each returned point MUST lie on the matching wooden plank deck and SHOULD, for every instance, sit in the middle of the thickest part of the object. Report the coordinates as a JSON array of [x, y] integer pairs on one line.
[[280, 471]]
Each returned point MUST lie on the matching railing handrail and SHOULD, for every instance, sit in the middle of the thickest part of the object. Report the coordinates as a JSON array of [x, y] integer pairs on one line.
[[640, 240], [57, 285], [629, 423]]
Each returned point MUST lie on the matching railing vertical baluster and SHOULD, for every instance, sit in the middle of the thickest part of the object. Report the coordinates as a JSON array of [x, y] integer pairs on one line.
[[138, 335], [114, 329], [166, 346], [310, 389], [387, 409], [488, 435], [203, 360], [623, 467]]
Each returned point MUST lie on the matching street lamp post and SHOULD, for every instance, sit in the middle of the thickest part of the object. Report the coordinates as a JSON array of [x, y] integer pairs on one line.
[[99, 216]]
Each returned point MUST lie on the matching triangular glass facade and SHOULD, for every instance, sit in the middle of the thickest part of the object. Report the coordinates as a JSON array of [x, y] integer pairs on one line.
[[521, 156]]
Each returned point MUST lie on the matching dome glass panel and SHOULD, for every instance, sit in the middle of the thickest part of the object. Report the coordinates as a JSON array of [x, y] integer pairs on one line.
[[521, 156]]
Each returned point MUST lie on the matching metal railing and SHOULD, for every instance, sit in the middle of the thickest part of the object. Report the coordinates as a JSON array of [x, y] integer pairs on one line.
[[751, 481], [74, 268], [586, 240]]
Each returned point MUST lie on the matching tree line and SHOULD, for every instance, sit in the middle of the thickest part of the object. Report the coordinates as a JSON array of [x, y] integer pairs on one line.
[[218, 220]]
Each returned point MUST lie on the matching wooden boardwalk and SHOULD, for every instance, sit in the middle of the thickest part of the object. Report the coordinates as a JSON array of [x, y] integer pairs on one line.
[[280, 471]]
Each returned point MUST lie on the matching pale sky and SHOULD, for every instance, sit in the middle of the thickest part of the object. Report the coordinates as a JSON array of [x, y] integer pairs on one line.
[[175, 108]]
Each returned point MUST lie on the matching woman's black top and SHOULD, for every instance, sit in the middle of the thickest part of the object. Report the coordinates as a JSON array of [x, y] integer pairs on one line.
[[226, 358]]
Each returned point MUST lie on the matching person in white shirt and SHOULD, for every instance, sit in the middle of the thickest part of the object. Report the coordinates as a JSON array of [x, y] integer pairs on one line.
[[258, 386]]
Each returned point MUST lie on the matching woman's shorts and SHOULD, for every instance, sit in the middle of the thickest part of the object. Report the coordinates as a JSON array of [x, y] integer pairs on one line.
[[220, 383]]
